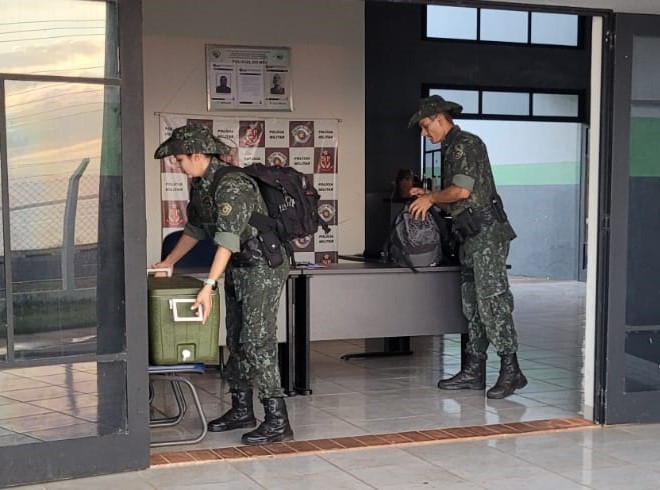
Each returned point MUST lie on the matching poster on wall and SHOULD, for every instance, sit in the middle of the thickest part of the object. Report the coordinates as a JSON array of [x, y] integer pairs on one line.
[[248, 77], [309, 146]]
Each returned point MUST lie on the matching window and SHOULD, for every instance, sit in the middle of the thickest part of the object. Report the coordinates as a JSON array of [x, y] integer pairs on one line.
[[508, 26], [512, 104], [566, 105], [561, 29], [502, 26], [469, 99], [505, 103], [62, 38], [451, 22]]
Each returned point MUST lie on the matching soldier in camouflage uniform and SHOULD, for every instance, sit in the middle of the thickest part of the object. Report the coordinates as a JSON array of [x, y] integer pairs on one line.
[[252, 287], [480, 225]]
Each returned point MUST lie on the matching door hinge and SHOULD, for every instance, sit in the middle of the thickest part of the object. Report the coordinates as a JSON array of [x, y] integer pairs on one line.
[[605, 224], [609, 40]]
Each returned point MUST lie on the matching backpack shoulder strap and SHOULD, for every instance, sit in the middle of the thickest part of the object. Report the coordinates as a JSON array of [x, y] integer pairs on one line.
[[261, 222]]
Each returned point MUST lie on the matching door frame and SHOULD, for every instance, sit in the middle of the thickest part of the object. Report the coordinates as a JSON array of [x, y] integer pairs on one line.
[[129, 450], [617, 406]]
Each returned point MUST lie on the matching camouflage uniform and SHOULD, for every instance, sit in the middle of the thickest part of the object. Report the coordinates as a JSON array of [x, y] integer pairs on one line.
[[486, 297], [252, 287], [252, 294]]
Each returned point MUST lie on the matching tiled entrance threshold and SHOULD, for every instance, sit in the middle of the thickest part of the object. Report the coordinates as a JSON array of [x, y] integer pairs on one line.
[[369, 441]]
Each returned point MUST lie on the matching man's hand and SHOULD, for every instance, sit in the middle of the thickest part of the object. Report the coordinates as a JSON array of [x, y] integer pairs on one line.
[[421, 205], [205, 300], [418, 191]]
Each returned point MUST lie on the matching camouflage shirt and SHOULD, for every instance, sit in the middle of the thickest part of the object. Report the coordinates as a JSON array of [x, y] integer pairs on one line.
[[224, 216], [465, 164]]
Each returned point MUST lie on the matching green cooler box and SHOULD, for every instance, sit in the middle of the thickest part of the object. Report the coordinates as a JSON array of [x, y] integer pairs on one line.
[[176, 333]]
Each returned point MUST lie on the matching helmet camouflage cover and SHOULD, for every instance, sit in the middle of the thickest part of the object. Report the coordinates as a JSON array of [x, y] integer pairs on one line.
[[189, 139]]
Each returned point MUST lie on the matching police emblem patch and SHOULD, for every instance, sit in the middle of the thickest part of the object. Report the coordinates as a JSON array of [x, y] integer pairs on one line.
[[207, 202], [224, 209], [327, 212]]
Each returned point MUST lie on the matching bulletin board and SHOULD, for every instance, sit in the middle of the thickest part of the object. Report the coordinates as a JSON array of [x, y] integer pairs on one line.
[[248, 78], [309, 146]]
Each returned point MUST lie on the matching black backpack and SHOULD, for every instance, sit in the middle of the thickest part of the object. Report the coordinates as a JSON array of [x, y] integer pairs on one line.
[[290, 197], [414, 242]]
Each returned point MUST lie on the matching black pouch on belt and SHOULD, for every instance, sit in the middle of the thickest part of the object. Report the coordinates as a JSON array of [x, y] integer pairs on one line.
[[270, 246]]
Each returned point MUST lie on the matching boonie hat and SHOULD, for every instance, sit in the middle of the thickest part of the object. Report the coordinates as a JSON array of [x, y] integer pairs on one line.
[[432, 105], [189, 139]]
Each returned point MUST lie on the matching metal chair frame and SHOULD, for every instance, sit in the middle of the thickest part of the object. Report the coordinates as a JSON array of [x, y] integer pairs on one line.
[[172, 374]]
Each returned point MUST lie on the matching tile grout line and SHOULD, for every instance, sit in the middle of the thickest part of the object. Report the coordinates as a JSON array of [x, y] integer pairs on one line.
[[395, 439]]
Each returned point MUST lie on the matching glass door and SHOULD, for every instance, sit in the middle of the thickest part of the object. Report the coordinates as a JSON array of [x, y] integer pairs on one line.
[[632, 377], [72, 373]]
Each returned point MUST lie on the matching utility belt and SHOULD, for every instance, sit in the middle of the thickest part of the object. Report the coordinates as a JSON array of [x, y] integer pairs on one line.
[[265, 246], [470, 222]]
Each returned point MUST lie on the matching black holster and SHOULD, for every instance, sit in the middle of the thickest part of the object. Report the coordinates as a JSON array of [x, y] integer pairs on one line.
[[470, 222], [263, 246], [249, 256], [465, 225]]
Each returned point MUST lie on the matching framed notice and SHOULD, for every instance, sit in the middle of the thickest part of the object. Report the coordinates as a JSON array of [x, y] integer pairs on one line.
[[248, 78]]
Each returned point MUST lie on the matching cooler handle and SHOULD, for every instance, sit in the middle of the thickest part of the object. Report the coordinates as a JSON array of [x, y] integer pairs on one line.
[[160, 269], [198, 316]]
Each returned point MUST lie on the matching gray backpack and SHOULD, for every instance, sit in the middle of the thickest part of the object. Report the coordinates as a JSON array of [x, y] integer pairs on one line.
[[414, 242]]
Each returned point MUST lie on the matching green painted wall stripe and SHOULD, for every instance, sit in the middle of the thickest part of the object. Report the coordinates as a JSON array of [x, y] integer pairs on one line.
[[645, 147], [554, 173]]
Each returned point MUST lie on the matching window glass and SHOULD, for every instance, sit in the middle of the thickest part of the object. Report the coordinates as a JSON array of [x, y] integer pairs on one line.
[[506, 103], [63, 37], [642, 317], [555, 105], [558, 29], [469, 99], [504, 26], [645, 60], [55, 134], [451, 22]]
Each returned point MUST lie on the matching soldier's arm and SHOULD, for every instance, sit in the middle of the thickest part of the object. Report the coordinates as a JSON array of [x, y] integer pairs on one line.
[[218, 267], [419, 207]]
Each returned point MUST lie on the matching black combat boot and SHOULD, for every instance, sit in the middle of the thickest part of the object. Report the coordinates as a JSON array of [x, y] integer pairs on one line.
[[274, 428], [239, 416], [511, 378], [472, 376]]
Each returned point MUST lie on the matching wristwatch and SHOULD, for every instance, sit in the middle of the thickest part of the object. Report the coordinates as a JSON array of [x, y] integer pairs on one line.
[[211, 282]]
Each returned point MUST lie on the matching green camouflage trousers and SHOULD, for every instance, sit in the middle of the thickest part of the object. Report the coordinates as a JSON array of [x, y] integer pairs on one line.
[[252, 297], [487, 299]]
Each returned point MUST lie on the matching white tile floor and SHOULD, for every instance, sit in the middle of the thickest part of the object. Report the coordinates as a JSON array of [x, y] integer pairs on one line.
[[609, 458], [391, 394], [383, 395]]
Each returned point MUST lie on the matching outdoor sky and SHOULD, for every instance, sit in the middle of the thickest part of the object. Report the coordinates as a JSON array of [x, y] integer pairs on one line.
[[52, 126]]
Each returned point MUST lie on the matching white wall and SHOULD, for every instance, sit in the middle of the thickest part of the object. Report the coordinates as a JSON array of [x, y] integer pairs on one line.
[[327, 45]]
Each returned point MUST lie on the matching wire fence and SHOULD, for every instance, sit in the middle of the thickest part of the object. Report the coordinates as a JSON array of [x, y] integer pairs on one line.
[[37, 212]]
